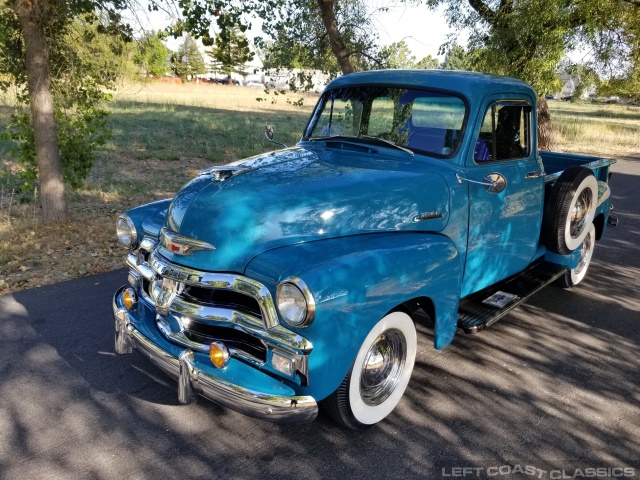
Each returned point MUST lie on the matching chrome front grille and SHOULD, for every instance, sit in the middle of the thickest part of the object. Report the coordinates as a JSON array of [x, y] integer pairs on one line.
[[235, 340], [203, 307], [222, 298]]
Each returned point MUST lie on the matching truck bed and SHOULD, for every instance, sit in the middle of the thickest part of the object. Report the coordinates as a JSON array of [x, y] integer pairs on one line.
[[555, 163]]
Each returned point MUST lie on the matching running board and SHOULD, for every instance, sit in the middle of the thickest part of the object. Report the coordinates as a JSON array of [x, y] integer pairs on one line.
[[479, 310]]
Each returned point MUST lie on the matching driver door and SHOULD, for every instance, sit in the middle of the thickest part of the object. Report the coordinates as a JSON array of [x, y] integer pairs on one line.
[[504, 226]]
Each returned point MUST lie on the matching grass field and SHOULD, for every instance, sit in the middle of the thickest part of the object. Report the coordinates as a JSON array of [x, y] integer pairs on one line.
[[164, 133], [602, 130]]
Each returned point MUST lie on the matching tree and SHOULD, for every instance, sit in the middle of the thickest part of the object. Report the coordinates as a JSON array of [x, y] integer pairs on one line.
[[528, 38], [397, 55], [188, 62], [35, 38], [152, 55], [328, 35], [457, 58], [427, 62], [230, 53]]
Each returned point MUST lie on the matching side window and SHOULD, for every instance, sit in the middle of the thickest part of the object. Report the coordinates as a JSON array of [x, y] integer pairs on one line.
[[505, 133]]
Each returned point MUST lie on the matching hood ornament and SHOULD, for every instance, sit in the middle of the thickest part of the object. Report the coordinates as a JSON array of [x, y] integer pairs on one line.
[[181, 245], [222, 172]]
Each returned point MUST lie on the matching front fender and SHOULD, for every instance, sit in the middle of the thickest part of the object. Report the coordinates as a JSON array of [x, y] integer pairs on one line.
[[355, 282], [149, 218]]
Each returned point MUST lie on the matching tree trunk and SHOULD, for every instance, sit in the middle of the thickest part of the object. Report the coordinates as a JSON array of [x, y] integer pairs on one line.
[[54, 206], [338, 47], [545, 128]]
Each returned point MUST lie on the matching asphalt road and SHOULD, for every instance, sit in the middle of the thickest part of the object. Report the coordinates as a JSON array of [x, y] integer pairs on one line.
[[553, 387]]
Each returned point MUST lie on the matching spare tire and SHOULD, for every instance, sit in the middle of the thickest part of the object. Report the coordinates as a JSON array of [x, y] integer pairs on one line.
[[569, 210]]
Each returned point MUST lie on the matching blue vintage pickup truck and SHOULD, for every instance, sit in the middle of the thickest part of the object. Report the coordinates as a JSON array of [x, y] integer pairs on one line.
[[294, 279]]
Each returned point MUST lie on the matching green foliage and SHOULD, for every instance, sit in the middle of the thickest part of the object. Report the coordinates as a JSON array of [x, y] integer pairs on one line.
[[528, 38], [230, 52], [300, 39], [151, 55], [397, 55], [78, 137], [427, 62], [85, 61], [187, 62], [457, 58]]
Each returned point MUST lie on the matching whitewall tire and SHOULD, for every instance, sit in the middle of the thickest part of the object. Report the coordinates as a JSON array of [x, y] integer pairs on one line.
[[379, 375], [574, 276]]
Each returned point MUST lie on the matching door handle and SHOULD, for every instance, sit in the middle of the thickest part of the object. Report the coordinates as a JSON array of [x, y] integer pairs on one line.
[[536, 174]]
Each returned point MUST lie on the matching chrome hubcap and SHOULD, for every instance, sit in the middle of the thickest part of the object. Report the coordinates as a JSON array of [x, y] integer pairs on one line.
[[579, 216], [382, 367], [585, 255]]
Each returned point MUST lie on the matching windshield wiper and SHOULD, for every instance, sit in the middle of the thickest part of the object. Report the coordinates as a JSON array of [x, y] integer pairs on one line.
[[386, 142], [332, 137]]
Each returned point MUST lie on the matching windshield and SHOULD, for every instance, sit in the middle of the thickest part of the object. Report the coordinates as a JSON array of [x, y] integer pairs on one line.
[[420, 120]]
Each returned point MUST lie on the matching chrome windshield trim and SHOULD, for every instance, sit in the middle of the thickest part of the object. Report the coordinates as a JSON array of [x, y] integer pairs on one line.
[[223, 281]]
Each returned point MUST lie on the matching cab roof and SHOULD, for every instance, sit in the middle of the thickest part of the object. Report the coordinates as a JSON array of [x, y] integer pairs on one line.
[[471, 84]]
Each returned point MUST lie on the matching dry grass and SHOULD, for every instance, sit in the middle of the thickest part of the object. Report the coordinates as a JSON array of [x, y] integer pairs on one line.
[[163, 134], [602, 130]]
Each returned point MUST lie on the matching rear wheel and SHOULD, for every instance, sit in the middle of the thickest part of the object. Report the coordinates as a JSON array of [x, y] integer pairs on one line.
[[379, 376], [574, 276], [570, 210]]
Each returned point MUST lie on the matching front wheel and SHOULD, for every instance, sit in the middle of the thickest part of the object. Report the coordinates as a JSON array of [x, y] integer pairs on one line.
[[379, 375], [574, 276]]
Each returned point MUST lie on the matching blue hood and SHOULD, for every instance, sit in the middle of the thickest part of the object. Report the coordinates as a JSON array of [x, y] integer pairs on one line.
[[300, 195]]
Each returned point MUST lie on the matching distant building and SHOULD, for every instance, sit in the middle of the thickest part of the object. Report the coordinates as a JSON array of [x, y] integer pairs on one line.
[[569, 85]]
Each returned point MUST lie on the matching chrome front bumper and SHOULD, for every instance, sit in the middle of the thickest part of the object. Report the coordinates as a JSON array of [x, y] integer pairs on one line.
[[193, 379]]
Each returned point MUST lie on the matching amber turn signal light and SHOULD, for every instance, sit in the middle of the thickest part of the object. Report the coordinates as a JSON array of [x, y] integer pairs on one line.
[[129, 298], [219, 354]]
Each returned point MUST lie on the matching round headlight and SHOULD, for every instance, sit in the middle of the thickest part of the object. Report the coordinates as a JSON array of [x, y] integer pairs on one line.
[[126, 231], [295, 302]]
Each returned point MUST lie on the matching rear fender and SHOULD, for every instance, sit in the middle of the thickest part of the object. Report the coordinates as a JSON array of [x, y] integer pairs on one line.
[[356, 281]]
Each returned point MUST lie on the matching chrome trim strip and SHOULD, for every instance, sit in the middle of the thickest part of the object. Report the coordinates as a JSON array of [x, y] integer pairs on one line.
[[275, 408], [142, 268], [223, 281]]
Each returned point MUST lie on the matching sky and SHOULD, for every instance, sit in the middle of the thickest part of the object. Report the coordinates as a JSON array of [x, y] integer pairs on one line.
[[420, 28], [423, 30]]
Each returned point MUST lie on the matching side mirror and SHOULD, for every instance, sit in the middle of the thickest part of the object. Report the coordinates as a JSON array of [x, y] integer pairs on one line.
[[268, 133]]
